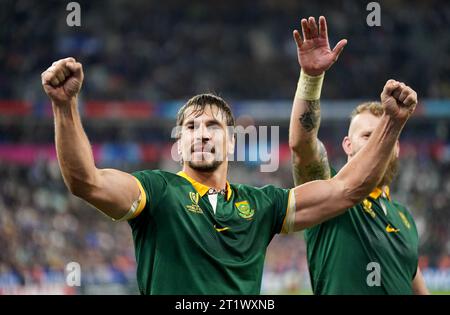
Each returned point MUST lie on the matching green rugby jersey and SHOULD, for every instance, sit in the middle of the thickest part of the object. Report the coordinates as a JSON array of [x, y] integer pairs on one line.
[[344, 252], [183, 247]]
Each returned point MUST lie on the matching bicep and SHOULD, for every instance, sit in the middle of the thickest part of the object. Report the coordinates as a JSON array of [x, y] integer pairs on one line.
[[310, 164], [114, 193], [318, 201]]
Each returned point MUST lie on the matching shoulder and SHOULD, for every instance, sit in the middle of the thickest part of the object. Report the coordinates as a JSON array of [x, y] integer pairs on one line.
[[155, 174], [403, 209], [258, 191], [404, 213]]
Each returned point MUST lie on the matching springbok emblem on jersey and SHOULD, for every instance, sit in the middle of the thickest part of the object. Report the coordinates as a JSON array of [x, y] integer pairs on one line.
[[244, 209]]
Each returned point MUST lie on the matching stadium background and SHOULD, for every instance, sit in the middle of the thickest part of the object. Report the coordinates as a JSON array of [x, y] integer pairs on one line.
[[143, 59]]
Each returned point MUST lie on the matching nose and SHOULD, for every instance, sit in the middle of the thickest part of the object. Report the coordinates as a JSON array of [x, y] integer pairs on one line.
[[202, 132]]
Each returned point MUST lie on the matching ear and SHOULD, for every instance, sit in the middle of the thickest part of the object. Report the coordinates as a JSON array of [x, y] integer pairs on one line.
[[231, 144], [397, 149], [179, 151], [347, 146]]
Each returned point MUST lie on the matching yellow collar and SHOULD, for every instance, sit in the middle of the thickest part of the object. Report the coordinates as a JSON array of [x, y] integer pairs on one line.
[[199, 187], [376, 193]]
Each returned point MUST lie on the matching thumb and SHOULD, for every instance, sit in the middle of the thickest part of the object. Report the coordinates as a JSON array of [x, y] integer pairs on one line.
[[337, 50]]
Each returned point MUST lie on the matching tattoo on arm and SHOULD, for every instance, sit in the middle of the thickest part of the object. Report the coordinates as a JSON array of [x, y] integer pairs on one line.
[[315, 170], [310, 119]]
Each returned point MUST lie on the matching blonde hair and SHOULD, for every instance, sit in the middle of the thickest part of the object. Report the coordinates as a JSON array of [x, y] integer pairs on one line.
[[375, 108]]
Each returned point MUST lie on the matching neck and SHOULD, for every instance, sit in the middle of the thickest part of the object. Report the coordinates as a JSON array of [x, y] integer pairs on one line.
[[216, 179]]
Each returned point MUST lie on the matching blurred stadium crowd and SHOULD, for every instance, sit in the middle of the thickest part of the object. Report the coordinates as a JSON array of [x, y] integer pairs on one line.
[[42, 227], [243, 50]]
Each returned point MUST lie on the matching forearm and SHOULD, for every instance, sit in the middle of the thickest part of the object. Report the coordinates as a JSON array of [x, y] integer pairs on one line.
[[309, 157], [305, 119], [365, 170], [73, 149], [111, 191], [320, 200]]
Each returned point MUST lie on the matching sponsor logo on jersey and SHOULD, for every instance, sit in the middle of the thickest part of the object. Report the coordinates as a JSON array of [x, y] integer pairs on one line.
[[221, 229], [390, 229]]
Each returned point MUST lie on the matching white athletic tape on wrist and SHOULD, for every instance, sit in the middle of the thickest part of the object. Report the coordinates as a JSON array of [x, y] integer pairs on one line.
[[309, 87]]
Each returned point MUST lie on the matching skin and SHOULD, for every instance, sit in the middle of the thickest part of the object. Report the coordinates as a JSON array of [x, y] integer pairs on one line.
[[361, 127], [309, 157], [113, 191], [205, 143]]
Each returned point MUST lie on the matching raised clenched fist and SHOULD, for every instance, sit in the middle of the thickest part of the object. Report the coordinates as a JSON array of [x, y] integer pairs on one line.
[[62, 81], [398, 100]]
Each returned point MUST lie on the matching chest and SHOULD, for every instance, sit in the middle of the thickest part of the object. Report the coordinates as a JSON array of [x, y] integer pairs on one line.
[[237, 225], [386, 230]]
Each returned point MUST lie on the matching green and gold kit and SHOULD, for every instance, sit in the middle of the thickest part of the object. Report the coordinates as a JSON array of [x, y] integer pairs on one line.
[[184, 245], [370, 249]]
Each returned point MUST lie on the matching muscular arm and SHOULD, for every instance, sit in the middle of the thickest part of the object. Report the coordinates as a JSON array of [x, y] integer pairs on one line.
[[419, 286], [111, 191], [309, 157], [320, 200]]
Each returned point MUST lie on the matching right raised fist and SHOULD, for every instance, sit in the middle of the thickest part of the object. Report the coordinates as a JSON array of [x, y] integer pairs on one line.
[[399, 100], [62, 81]]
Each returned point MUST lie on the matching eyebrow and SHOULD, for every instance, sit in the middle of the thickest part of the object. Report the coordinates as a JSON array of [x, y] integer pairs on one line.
[[209, 122]]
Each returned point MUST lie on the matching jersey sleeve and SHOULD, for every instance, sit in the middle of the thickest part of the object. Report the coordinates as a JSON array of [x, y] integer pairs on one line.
[[152, 185], [282, 208]]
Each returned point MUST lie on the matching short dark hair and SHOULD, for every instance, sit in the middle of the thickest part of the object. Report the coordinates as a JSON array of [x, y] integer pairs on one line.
[[200, 102]]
